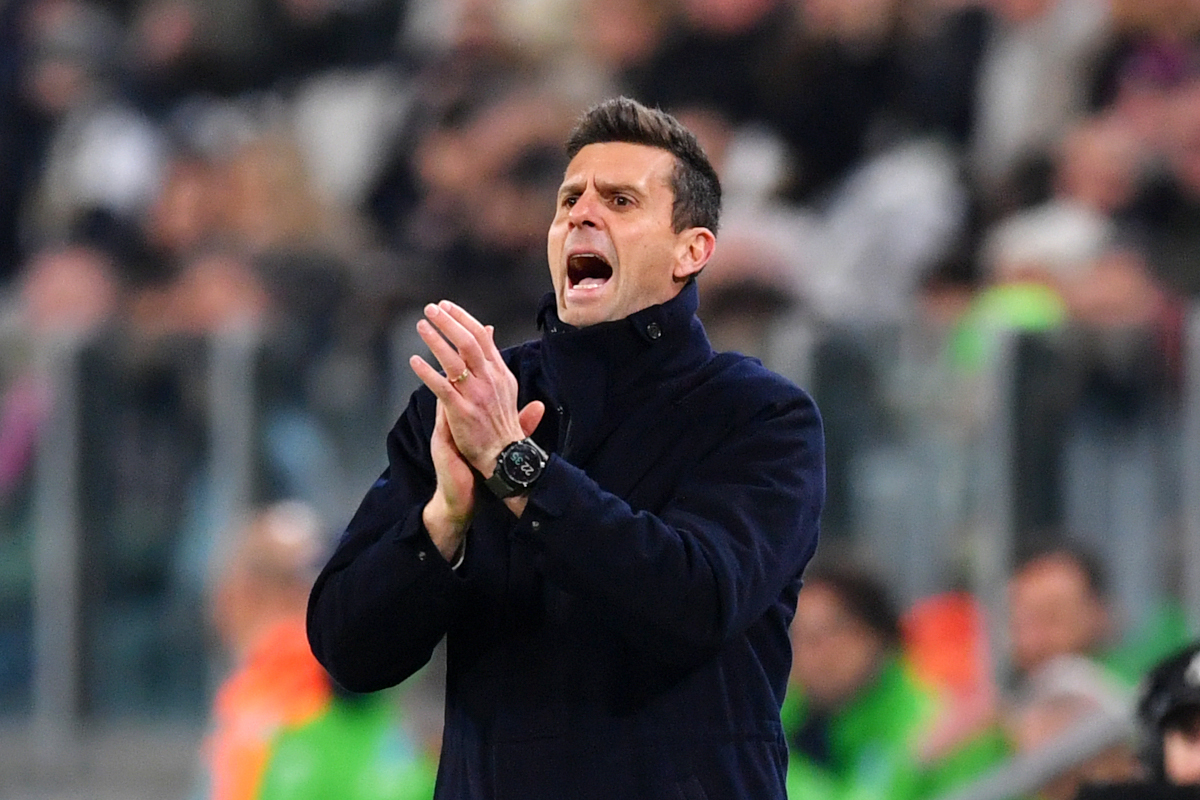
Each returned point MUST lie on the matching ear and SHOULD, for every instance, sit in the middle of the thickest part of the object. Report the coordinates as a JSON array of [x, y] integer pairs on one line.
[[695, 248]]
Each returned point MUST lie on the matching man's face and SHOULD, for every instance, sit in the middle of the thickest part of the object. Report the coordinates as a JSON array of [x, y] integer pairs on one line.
[[834, 655], [1052, 613], [611, 247]]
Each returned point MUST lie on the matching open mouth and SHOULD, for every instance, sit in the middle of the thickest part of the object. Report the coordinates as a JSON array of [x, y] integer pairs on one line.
[[587, 269]]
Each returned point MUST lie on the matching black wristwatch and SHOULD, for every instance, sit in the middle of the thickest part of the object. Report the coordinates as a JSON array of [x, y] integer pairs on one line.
[[517, 468]]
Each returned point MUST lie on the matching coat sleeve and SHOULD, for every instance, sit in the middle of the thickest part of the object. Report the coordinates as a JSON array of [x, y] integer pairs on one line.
[[384, 561], [739, 528]]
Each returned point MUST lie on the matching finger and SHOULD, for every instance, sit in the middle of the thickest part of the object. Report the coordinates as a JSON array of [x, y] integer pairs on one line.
[[450, 359], [441, 428], [435, 380], [463, 317], [467, 345], [482, 333], [531, 415]]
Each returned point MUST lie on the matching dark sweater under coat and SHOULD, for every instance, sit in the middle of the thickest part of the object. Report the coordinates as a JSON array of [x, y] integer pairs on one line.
[[627, 637]]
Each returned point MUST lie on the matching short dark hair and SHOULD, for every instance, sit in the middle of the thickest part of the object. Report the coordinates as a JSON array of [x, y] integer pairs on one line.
[[694, 182], [1065, 548], [863, 595]]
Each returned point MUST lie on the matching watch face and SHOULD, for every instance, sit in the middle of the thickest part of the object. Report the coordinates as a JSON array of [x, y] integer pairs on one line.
[[522, 464]]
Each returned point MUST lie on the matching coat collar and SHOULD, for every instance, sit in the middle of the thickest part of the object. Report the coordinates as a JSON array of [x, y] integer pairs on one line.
[[602, 370]]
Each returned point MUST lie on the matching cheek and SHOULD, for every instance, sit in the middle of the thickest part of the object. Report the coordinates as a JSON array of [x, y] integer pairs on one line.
[[554, 245]]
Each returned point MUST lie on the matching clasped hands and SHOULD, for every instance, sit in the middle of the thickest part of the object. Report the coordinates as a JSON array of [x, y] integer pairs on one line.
[[477, 417]]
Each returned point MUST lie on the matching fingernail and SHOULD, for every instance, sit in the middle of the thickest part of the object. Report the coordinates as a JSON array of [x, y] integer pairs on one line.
[[431, 309], [446, 304]]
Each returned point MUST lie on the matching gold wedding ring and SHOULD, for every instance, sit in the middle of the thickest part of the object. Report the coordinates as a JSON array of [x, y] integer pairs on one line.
[[466, 373]]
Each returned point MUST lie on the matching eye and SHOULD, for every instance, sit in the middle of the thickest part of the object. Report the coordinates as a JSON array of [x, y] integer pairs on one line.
[[621, 200], [570, 200]]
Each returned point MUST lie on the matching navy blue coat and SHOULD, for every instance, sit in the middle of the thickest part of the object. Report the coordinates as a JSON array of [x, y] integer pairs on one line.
[[627, 637]]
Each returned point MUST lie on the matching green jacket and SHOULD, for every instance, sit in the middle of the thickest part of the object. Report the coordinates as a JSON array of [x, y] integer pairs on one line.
[[356, 750], [874, 742]]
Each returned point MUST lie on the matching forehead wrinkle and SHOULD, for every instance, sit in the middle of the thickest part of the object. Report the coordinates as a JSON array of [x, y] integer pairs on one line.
[[609, 188], [642, 183]]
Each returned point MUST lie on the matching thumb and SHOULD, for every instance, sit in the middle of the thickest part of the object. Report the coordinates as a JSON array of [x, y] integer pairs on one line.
[[531, 415]]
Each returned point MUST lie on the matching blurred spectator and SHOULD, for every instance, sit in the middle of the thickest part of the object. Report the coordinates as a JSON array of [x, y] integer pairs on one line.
[[1057, 607], [269, 203], [481, 176], [23, 132], [1170, 209], [102, 153], [212, 291], [301, 303], [1071, 259], [1155, 49], [612, 43], [169, 56], [308, 36], [855, 717], [360, 748], [71, 289], [185, 213], [941, 50], [711, 56], [827, 84], [1039, 60], [259, 594], [1070, 244]]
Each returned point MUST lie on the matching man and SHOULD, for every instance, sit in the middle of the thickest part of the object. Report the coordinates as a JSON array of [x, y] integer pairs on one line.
[[856, 715], [259, 591], [608, 525], [1057, 607]]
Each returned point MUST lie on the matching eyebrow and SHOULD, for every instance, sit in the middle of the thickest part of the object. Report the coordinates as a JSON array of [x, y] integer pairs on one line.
[[605, 189]]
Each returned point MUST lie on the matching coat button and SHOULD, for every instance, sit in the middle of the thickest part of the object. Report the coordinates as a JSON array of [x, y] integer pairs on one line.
[[653, 331], [421, 555], [535, 525]]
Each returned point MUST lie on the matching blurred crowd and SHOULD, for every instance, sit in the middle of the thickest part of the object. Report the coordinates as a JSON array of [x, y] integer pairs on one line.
[[179, 165], [884, 702], [318, 169], [892, 702], [321, 168]]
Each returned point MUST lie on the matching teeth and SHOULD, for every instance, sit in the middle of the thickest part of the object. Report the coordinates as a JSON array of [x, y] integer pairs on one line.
[[588, 269], [583, 261]]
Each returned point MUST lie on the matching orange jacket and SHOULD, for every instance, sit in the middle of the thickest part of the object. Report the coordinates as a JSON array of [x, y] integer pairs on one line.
[[279, 684]]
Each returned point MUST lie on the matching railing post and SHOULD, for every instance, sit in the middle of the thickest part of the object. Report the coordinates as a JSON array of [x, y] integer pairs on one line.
[[231, 429], [1190, 470], [994, 534], [56, 557]]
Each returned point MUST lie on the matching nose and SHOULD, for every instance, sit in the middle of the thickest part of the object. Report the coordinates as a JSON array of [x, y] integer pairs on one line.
[[585, 212]]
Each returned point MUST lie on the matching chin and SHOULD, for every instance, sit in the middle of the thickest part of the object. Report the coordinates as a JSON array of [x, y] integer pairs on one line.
[[582, 315], [579, 319]]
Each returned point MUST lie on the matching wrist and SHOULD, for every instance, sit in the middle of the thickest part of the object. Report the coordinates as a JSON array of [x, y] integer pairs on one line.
[[446, 529]]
